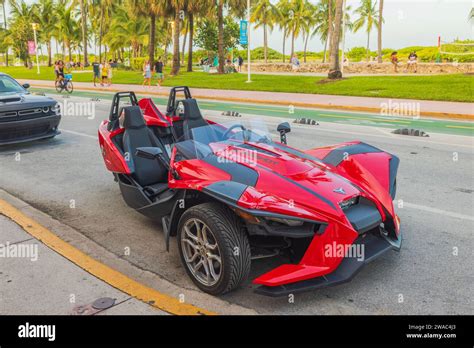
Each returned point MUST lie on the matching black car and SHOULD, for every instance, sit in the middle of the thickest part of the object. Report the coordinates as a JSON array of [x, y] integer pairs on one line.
[[24, 116]]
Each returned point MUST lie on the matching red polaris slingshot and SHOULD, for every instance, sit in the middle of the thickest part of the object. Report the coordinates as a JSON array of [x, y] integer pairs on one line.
[[232, 195]]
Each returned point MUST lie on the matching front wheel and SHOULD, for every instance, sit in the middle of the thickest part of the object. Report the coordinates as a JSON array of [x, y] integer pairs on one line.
[[214, 249]]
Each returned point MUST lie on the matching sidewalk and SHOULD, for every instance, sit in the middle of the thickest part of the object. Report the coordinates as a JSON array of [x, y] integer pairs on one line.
[[455, 110], [35, 280]]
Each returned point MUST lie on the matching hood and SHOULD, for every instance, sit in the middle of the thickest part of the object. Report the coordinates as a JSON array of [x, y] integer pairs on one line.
[[16, 101], [291, 176]]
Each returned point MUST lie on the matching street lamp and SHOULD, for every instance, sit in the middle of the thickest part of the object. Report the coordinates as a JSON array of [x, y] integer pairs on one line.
[[248, 41], [35, 27]]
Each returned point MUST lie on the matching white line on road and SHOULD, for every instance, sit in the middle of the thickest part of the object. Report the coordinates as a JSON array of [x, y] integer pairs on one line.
[[80, 134], [438, 211]]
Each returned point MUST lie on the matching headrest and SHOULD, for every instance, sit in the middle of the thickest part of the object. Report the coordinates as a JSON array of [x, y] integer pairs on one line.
[[131, 117], [191, 109]]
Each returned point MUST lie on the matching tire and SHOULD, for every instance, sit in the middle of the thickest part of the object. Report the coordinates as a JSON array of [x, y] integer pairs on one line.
[[58, 86], [224, 230], [69, 87]]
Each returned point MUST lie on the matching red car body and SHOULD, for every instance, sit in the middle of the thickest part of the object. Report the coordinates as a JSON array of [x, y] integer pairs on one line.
[[307, 185]]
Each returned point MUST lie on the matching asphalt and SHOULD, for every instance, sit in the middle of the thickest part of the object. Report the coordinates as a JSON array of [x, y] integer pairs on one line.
[[66, 178]]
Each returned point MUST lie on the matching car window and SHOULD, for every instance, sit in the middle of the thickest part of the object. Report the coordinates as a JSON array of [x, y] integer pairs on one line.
[[8, 85]]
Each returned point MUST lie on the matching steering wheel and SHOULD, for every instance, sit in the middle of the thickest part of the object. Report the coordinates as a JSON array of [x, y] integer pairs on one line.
[[231, 128]]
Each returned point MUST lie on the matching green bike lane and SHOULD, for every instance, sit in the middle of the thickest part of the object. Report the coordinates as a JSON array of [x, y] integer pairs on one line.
[[428, 125]]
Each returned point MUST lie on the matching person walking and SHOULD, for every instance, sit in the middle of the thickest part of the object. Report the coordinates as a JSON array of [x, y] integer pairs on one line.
[[109, 72], [158, 70], [240, 62], [96, 71], [104, 72], [147, 73]]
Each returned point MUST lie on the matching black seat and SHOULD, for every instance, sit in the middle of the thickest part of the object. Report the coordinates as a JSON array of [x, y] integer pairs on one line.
[[152, 175], [192, 118]]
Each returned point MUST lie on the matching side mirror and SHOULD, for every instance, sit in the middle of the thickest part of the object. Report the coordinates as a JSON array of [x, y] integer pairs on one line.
[[283, 128], [26, 85], [149, 152]]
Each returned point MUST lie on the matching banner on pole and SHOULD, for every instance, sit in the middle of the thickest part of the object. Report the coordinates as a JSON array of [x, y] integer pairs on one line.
[[31, 47], [243, 32]]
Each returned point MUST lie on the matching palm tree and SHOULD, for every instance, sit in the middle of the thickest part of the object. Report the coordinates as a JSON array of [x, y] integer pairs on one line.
[[298, 15], [128, 29], [334, 66], [196, 8], [84, 29], [2, 2], [237, 7], [284, 9], [265, 14], [379, 32], [368, 17], [20, 29], [324, 14], [47, 20]]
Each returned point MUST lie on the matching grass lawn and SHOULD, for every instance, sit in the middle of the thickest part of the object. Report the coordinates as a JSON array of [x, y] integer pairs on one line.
[[457, 87]]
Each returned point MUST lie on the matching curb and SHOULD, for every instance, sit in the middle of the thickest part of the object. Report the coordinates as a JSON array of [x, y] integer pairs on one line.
[[441, 115]]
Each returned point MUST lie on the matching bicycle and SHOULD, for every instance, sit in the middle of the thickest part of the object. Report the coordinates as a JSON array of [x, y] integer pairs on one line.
[[65, 84]]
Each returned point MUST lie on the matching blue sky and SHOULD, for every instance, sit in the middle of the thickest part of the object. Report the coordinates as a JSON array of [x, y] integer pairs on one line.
[[407, 23]]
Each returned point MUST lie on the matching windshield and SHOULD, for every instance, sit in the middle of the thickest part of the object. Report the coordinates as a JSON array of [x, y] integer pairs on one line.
[[240, 131], [203, 140], [9, 85]]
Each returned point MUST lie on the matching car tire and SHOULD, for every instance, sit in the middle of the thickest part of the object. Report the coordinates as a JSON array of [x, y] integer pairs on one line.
[[224, 230]]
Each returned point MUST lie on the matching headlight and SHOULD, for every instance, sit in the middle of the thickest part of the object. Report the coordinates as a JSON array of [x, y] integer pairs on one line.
[[289, 222], [56, 109], [349, 202], [45, 109]]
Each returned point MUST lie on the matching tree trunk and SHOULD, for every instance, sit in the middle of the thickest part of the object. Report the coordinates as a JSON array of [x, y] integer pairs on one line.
[[5, 25], [190, 44], [176, 60], [330, 24], [220, 44], [151, 44], [379, 37], [305, 45], [101, 27], [265, 42], [325, 49], [284, 41], [84, 31], [184, 43], [48, 45], [368, 45], [334, 66], [292, 44]]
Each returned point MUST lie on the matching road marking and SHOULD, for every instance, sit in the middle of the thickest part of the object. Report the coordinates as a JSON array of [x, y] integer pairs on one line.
[[438, 211], [112, 277], [365, 118], [80, 134], [463, 127]]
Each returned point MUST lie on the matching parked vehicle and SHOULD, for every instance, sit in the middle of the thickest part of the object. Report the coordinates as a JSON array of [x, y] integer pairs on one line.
[[230, 194], [24, 116]]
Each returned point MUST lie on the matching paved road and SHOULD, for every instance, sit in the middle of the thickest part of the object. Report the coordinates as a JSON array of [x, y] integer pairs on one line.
[[34, 280], [432, 274]]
